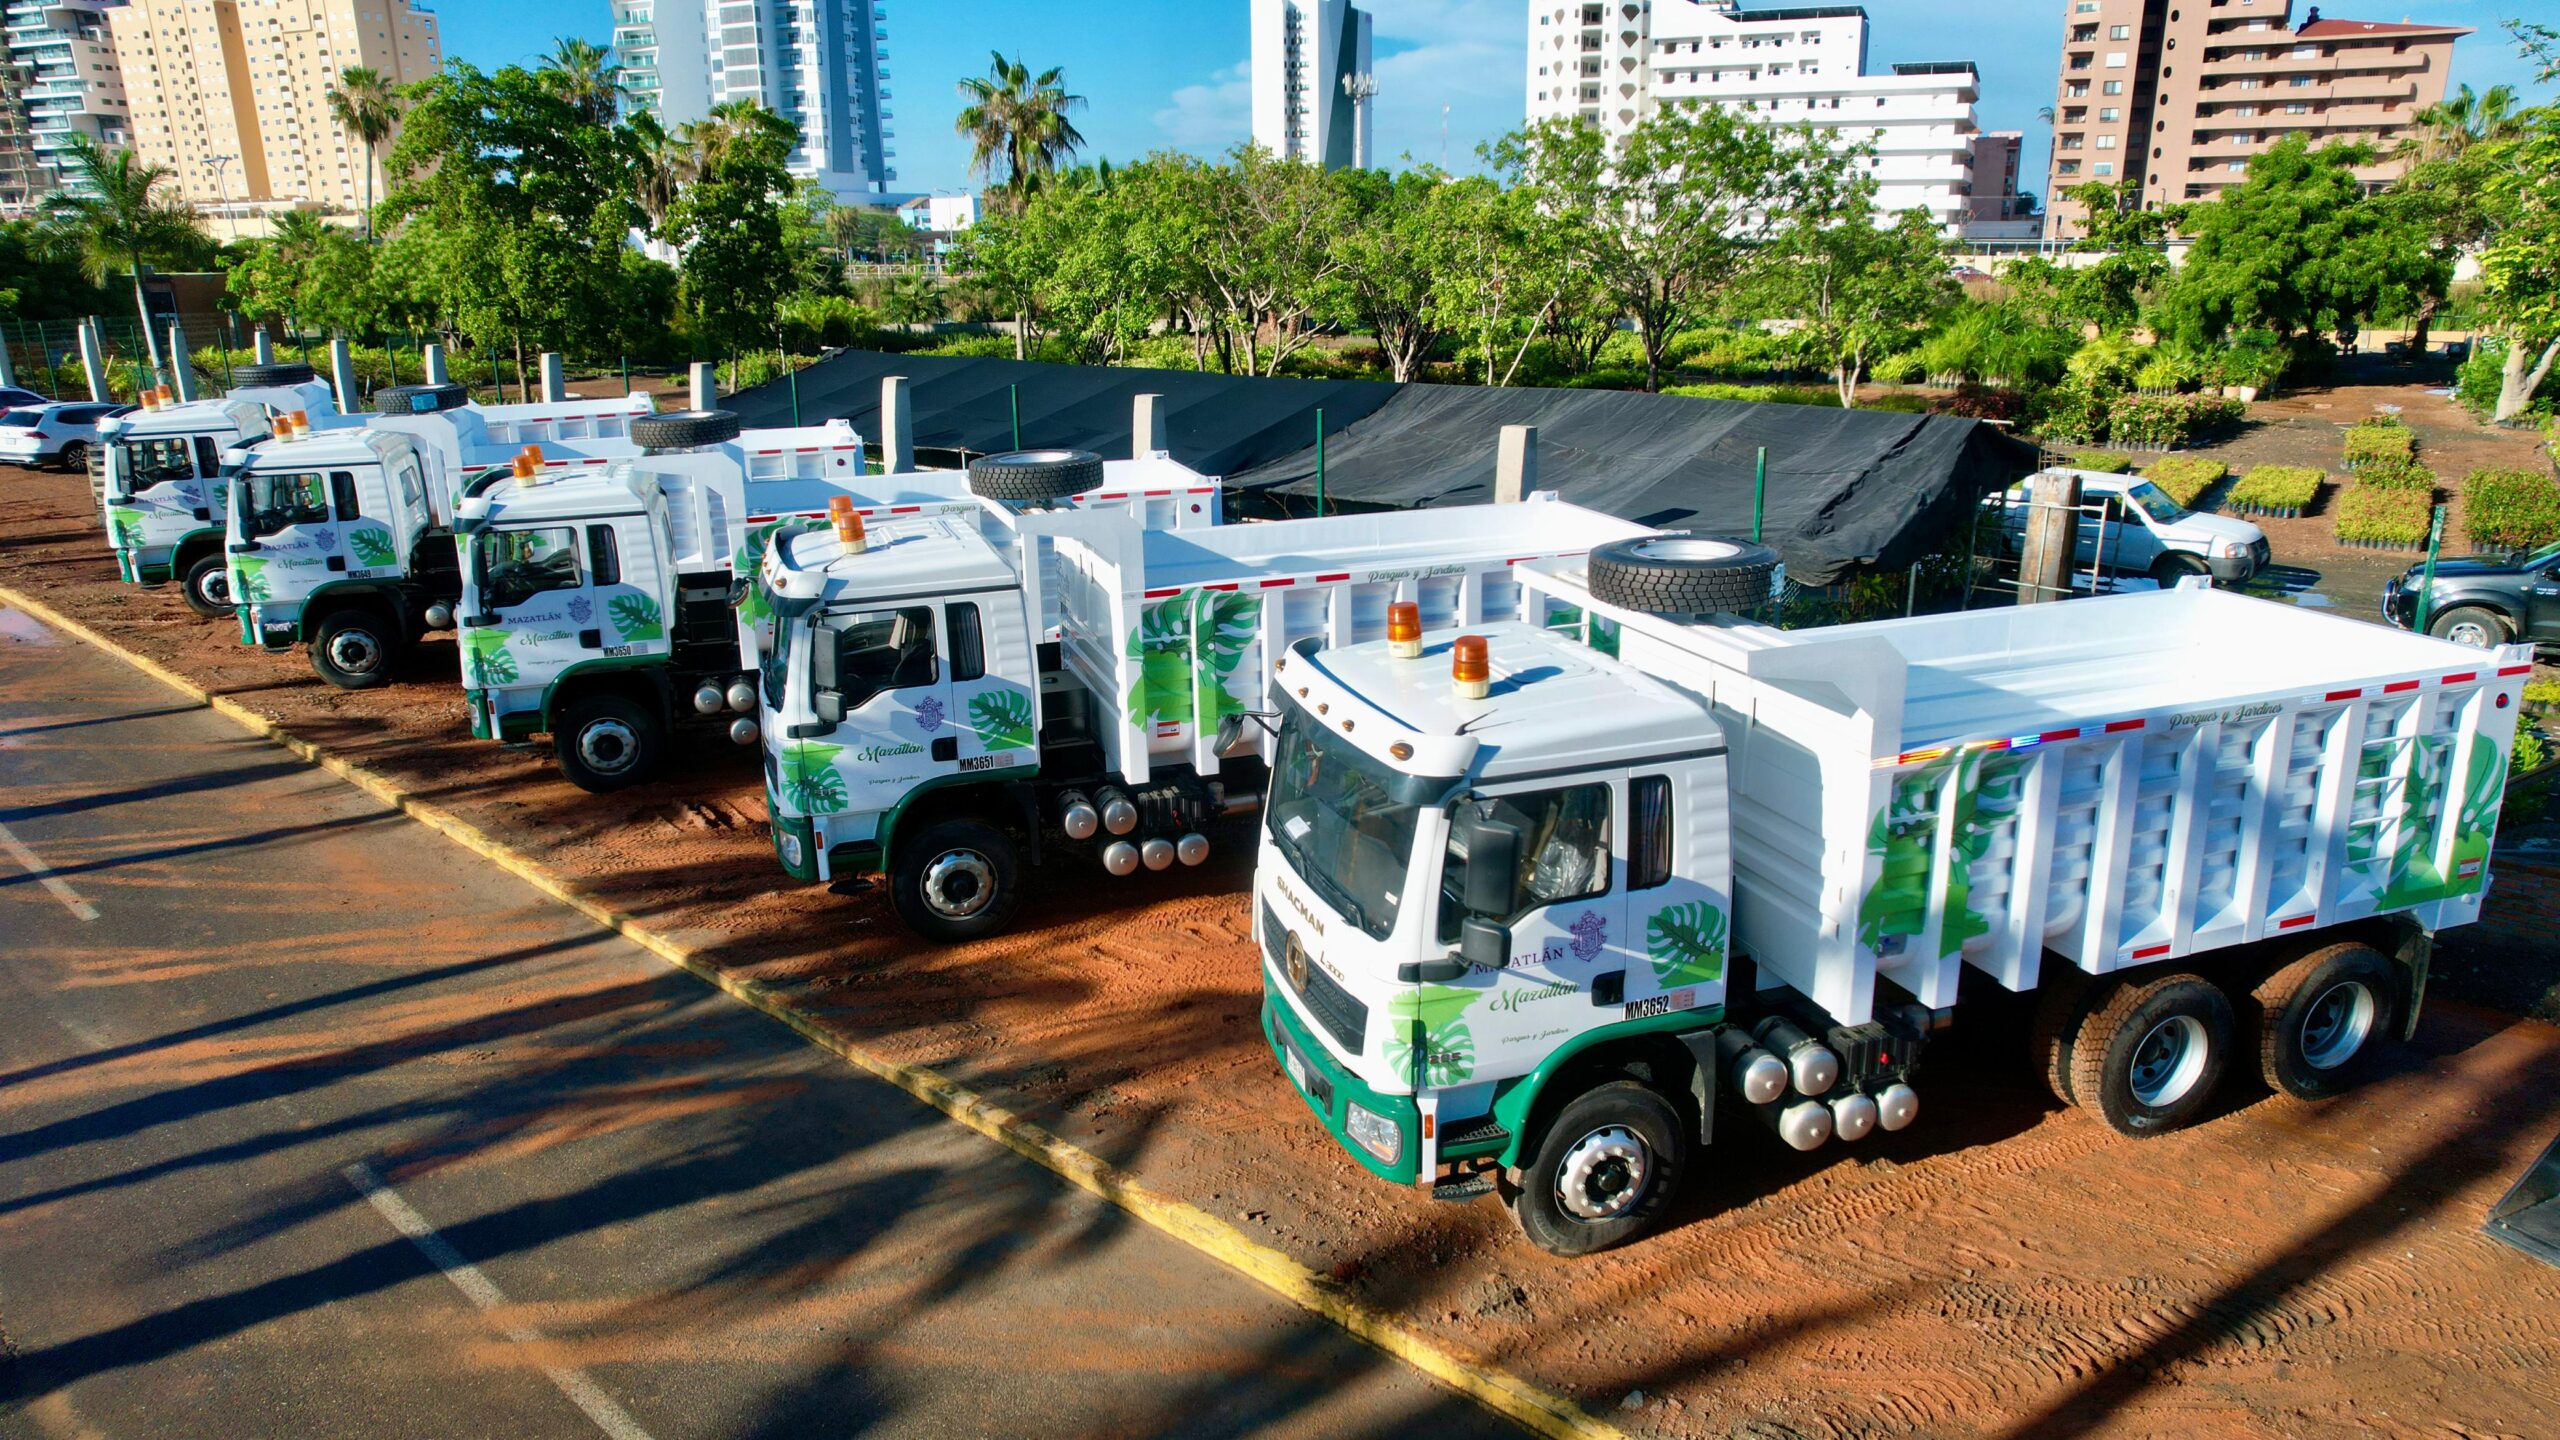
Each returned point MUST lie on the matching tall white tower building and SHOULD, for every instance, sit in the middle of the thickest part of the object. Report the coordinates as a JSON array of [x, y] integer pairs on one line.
[[821, 64], [1613, 64], [66, 83], [1313, 88]]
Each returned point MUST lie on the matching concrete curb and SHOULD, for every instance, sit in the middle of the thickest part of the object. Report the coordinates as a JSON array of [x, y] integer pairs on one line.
[[1540, 1411]]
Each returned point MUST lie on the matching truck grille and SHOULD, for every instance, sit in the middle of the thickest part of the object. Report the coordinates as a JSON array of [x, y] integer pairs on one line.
[[2264, 554], [1344, 1018]]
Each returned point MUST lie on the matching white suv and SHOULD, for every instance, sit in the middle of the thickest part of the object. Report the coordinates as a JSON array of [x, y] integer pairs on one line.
[[63, 432]]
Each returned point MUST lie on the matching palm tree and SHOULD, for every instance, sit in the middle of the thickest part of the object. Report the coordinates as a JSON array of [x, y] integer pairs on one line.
[[578, 72], [367, 110], [2430, 153], [662, 164], [2444, 130], [1017, 121], [122, 223]]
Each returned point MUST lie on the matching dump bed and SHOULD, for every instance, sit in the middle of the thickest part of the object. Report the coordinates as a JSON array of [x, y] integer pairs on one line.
[[2120, 781], [1180, 629]]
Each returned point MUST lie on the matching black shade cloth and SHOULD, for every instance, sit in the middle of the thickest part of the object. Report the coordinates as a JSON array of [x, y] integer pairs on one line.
[[1848, 490]]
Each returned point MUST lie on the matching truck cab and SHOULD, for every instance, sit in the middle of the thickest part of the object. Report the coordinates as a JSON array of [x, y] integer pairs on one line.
[[165, 493], [336, 540]]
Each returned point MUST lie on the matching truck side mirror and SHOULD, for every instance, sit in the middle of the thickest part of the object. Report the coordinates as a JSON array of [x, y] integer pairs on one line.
[[1230, 731], [1493, 864], [1484, 942]]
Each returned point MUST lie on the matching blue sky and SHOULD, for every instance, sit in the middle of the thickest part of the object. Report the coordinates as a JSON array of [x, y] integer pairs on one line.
[[1160, 73]]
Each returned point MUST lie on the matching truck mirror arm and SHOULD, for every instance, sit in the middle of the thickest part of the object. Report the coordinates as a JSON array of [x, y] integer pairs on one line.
[[1231, 726]]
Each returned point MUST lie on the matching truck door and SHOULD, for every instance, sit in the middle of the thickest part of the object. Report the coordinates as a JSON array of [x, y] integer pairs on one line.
[[993, 721], [291, 543], [530, 610], [881, 676], [2542, 605]]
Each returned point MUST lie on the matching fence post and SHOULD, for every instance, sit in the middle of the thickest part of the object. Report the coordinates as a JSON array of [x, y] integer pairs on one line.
[[94, 363], [391, 354], [182, 375], [263, 345], [2427, 577], [1515, 464], [2053, 536], [897, 426], [342, 374], [706, 385], [8, 367], [431, 357], [230, 349], [626, 374], [1319, 461], [1146, 428], [1759, 493], [1013, 394], [791, 374], [497, 381], [555, 379]]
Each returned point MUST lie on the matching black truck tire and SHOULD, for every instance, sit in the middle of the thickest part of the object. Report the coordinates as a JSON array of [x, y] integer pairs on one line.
[[355, 648], [608, 742], [955, 881], [2149, 1056], [208, 585], [683, 429], [1035, 476], [419, 399], [2323, 1018], [1602, 1173], [282, 372], [1681, 574]]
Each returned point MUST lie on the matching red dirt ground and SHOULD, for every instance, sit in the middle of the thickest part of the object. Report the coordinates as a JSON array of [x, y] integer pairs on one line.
[[2003, 1268]]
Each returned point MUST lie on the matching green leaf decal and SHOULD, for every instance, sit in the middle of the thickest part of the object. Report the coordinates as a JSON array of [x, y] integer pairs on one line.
[[1219, 626], [636, 617], [248, 580], [486, 659], [127, 524], [1429, 1031], [754, 603], [1002, 719], [1686, 944], [1987, 787], [372, 546], [809, 779]]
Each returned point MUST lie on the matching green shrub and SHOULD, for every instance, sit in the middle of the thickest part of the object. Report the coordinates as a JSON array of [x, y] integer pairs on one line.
[[2542, 692], [1764, 394], [2163, 421], [2368, 516], [2254, 357], [2185, 477], [2381, 438], [2109, 364], [2410, 475], [2510, 509], [1906, 368], [2069, 414], [2477, 383], [1901, 404], [2105, 462], [2280, 490], [2164, 371]]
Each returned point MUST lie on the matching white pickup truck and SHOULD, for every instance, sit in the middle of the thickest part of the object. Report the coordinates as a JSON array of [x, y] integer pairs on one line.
[[2132, 527], [1661, 869], [915, 722], [597, 601]]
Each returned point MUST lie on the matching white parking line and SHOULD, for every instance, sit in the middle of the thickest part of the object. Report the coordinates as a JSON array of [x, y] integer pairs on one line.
[[466, 1277], [61, 888]]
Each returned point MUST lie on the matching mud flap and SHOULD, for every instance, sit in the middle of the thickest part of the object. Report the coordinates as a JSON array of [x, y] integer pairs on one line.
[[2529, 1217]]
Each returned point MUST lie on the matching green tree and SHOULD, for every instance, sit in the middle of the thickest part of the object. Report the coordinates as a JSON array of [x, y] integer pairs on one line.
[[365, 107], [1017, 127], [1400, 251], [1259, 251], [2520, 259], [1672, 216], [42, 276], [729, 225], [1856, 289], [2127, 250], [581, 73], [2445, 181], [123, 222]]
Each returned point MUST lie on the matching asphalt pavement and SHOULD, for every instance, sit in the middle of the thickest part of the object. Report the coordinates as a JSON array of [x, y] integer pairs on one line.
[[314, 1124]]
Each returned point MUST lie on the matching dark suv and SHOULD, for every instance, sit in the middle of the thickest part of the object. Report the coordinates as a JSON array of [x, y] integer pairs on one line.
[[2484, 600]]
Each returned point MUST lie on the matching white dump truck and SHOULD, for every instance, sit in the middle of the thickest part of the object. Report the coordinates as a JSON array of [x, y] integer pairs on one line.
[[341, 539], [597, 602], [1541, 905], [916, 724], [164, 490]]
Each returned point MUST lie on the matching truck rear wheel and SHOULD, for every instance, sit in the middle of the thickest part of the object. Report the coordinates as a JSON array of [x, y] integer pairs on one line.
[[2322, 1019], [1683, 574], [956, 881], [1602, 1173], [2060, 1007], [2149, 1056], [354, 649], [607, 743], [208, 586]]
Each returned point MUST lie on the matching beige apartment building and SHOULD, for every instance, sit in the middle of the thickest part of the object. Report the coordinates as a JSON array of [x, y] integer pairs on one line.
[[2180, 93], [232, 95]]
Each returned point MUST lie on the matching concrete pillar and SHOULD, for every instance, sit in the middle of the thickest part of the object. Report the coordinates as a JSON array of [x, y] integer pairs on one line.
[[2053, 537], [555, 378], [8, 368], [434, 356], [1515, 464], [93, 361], [1146, 428], [897, 426], [182, 375], [263, 347], [342, 373], [706, 385]]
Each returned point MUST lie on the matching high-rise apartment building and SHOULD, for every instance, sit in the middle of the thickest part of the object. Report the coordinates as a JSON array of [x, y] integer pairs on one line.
[[232, 95], [2179, 94], [64, 83], [1312, 85], [821, 64], [1612, 64]]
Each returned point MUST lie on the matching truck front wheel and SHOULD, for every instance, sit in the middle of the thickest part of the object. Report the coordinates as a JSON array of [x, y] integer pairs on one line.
[[956, 881], [2322, 1018], [2149, 1057], [1602, 1173], [208, 586], [354, 649], [608, 742]]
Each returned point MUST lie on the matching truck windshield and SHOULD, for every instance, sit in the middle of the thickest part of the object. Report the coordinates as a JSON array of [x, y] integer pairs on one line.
[[1346, 822], [150, 462], [2155, 502], [276, 499]]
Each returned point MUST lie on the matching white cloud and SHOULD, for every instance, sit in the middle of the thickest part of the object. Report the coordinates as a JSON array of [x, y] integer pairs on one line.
[[1213, 116]]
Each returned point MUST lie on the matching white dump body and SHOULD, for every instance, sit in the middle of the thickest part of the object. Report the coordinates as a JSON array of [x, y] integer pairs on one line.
[[2121, 780], [601, 418], [1186, 630]]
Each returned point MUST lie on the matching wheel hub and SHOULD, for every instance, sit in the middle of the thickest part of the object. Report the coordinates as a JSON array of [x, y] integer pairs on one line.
[[2336, 1024], [2169, 1061], [1604, 1174], [959, 884], [214, 587], [607, 746], [2471, 633], [355, 652]]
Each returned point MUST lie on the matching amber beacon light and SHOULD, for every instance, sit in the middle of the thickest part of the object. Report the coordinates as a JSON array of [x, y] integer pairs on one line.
[[1404, 630], [848, 523], [1471, 667]]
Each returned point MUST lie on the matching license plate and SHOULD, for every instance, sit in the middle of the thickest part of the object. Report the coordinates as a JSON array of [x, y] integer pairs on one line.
[[1297, 1068]]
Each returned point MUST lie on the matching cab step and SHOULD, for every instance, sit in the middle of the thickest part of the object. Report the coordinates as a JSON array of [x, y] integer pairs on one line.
[[1470, 1186]]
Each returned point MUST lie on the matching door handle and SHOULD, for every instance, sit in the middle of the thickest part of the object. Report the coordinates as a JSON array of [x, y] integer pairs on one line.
[[947, 748], [591, 639]]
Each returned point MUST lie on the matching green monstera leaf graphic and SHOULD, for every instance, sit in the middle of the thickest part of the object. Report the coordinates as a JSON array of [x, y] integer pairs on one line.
[[636, 617], [1002, 719], [809, 778], [486, 659], [1987, 788], [127, 525], [1223, 627], [1162, 647], [1686, 944], [753, 603], [1433, 1016], [1218, 625], [372, 546], [248, 580]]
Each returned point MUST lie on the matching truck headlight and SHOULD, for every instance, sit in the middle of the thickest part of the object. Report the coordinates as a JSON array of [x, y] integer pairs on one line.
[[2230, 549], [1374, 1133]]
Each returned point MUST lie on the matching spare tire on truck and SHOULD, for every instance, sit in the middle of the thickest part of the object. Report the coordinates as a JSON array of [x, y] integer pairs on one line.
[[1683, 574], [1035, 476], [282, 373], [419, 399], [683, 429]]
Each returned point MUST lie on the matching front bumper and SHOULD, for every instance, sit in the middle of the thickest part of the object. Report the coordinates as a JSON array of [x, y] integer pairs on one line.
[[1328, 1089], [22, 453], [2241, 568], [2399, 605]]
